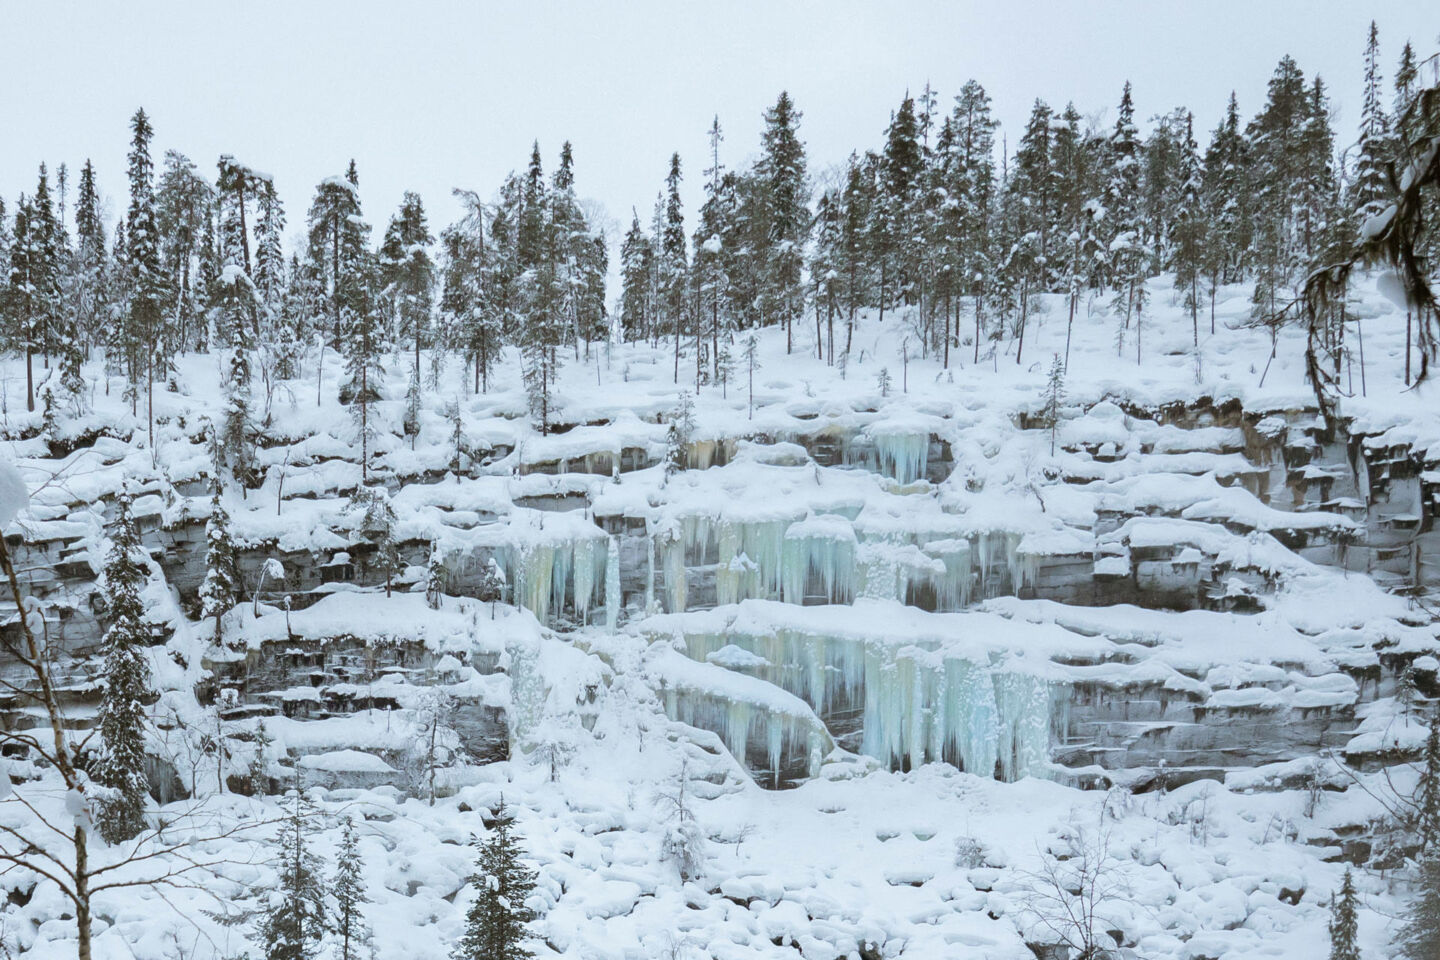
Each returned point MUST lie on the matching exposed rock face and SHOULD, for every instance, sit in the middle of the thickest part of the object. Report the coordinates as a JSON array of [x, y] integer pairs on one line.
[[1175, 493]]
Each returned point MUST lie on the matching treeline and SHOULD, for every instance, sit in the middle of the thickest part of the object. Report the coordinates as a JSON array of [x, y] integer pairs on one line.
[[960, 231]]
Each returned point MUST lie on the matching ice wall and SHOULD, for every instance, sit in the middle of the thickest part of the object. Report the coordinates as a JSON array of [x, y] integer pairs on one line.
[[918, 703]]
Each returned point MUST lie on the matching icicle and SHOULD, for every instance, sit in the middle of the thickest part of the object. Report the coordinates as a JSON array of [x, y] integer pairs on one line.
[[675, 575], [649, 575], [612, 585], [903, 456]]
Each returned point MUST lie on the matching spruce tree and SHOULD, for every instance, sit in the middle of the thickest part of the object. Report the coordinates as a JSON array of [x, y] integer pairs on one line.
[[679, 434], [1123, 213], [141, 328], [785, 190], [120, 765], [269, 251], [184, 203], [1188, 228], [347, 886], [1419, 938], [636, 256], [672, 263], [1342, 922], [377, 523], [1427, 794], [1054, 399], [221, 588], [407, 274], [496, 925], [1368, 188], [292, 927], [89, 302], [537, 264]]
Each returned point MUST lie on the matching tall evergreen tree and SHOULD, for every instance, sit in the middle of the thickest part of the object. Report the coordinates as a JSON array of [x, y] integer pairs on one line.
[[146, 287], [785, 192], [1188, 228], [347, 886], [1127, 250], [1343, 927], [184, 205], [496, 925], [407, 274], [120, 765], [221, 587], [636, 256], [672, 262], [295, 921], [1368, 188], [1420, 935]]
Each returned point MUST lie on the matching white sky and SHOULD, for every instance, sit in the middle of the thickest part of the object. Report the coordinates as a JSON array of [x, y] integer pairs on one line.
[[430, 95]]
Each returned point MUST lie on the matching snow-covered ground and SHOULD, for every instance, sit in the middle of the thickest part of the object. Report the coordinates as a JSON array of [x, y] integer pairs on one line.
[[610, 711]]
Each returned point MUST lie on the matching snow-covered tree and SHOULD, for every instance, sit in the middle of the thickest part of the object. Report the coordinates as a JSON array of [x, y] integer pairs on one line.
[[347, 886], [491, 588], [752, 363], [497, 923], [437, 576], [1343, 927], [294, 922], [221, 587], [120, 765], [1368, 187], [1427, 795], [1420, 934], [377, 524], [679, 435], [436, 744], [1054, 398], [684, 842]]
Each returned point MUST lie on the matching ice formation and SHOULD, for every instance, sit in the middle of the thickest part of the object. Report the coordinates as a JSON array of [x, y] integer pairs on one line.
[[918, 700]]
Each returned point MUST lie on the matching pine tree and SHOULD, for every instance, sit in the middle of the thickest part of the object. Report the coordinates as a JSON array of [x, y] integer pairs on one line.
[[1188, 228], [89, 302], [347, 886], [491, 588], [142, 328], [672, 261], [1123, 214], [536, 260], [1419, 938], [1054, 399], [883, 382], [1427, 795], [785, 194], [437, 575], [636, 263], [221, 587], [184, 204], [407, 274], [120, 765], [679, 435], [1368, 188], [292, 927], [472, 297], [496, 925], [1342, 922], [269, 246], [337, 240], [752, 362], [377, 523]]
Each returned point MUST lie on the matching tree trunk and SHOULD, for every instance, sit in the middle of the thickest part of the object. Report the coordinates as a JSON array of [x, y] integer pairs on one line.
[[82, 895]]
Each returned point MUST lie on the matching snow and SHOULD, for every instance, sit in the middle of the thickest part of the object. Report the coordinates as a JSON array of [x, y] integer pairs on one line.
[[792, 649]]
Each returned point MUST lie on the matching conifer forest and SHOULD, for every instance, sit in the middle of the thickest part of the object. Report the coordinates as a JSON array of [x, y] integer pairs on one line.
[[1013, 533]]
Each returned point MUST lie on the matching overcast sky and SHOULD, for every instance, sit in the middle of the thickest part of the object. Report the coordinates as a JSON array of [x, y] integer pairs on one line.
[[427, 96]]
